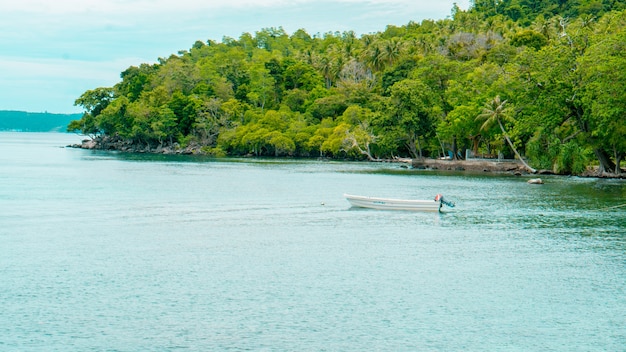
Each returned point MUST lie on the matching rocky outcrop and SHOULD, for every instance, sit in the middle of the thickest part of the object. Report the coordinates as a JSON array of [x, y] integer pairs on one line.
[[469, 165], [595, 172], [123, 145]]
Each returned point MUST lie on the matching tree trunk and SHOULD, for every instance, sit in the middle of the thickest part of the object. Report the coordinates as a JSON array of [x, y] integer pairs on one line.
[[606, 165], [454, 149], [419, 147], [365, 151], [618, 160], [475, 144], [412, 148], [532, 171]]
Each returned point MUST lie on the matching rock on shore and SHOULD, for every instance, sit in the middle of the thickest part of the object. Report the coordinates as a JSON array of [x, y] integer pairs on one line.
[[122, 145], [469, 165]]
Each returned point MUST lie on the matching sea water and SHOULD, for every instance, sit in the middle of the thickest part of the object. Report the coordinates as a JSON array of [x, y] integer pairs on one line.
[[105, 251]]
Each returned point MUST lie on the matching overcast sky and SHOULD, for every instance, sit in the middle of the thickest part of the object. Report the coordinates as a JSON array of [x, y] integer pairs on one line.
[[51, 51]]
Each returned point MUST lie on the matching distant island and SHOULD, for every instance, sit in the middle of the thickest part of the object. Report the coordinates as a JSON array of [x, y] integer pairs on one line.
[[22, 121]]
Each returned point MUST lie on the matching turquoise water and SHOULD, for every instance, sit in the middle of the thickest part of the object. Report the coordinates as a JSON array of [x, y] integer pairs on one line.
[[101, 251]]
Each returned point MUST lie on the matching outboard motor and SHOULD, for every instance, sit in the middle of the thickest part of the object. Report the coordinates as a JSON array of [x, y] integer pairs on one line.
[[439, 198]]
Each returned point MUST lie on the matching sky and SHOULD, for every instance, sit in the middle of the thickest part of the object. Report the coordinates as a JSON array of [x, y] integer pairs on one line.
[[52, 51]]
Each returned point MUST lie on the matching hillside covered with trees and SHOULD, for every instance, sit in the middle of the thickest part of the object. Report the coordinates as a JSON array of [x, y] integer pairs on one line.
[[22, 121], [543, 80]]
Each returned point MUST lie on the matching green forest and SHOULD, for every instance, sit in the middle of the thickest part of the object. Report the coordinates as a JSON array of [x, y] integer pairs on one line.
[[539, 81]]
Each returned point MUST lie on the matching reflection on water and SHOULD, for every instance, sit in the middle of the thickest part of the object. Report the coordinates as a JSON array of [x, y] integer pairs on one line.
[[135, 252]]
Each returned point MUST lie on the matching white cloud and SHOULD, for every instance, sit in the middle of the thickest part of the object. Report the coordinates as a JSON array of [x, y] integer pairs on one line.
[[33, 19], [125, 8], [83, 44], [129, 7]]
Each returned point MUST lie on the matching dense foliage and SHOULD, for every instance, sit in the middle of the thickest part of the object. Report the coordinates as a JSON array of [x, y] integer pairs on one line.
[[540, 78]]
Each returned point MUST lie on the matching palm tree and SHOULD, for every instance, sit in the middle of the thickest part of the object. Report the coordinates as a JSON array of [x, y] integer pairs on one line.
[[392, 50], [495, 111], [325, 65], [374, 56]]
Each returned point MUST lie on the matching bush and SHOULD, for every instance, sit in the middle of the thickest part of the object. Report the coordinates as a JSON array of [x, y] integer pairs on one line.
[[572, 159]]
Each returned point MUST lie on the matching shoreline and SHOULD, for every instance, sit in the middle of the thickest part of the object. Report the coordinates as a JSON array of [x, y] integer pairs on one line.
[[470, 165], [509, 166], [476, 165]]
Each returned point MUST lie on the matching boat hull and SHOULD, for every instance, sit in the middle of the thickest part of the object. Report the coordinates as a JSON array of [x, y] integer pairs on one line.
[[393, 204]]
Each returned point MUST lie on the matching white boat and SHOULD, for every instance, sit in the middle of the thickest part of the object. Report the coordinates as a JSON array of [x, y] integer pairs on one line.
[[397, 204]]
